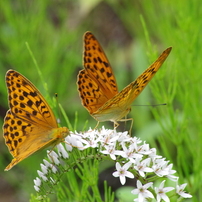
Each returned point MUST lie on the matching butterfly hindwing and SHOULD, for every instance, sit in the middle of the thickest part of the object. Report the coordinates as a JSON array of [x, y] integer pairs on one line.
[[90, 92]]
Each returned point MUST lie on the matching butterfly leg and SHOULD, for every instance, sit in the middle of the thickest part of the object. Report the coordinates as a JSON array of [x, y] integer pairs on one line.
[[116, 125], [96, 125], [131, 125]]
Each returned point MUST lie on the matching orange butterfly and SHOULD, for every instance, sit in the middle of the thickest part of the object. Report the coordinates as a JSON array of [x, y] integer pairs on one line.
[[97, 85], [29, 124]]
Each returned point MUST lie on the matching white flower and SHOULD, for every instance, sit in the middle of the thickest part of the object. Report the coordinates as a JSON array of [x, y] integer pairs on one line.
[[161, 192], [44, 178], [153, 154], [158, 167], [143, 166], [73, 140], [109, 137], [54, 169], [44, 169], [180, 191], [144, 149], [170, 175], [124, 137], [47, 164], [67, 144], [130, 152], [142, 191], [37, 182], [122, 148], [62, 151], [90, 139], [110, 149], [70, 141], [36, 188], [53, 157], [122, 172]]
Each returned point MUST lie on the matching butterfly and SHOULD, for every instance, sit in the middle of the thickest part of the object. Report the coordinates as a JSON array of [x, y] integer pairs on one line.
[[98, 88], [29, 124]]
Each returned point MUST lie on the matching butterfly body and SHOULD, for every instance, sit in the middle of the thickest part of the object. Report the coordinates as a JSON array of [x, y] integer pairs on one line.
[[29, 124], [111, 111], [97, 85]]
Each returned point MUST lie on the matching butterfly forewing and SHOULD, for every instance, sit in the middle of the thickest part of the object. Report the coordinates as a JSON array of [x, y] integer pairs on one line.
[[98, 66], [27, 103], [96, 82], [123, 100], [130, 92]]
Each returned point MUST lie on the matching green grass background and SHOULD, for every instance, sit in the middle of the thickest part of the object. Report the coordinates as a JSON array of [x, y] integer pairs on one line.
[[133, 34]]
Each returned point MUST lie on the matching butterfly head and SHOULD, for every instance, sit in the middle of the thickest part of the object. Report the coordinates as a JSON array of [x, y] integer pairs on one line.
[[63, 133]]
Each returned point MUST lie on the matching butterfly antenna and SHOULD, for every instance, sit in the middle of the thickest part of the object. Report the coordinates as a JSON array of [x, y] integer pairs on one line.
[[155, 105], [58, 109]]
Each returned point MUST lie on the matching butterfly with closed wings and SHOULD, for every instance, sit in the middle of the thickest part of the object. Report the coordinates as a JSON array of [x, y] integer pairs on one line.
[[29, 124], [97, 85]]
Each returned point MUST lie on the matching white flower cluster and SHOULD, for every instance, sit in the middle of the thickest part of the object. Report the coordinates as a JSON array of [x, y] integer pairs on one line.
[[133, 158]]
